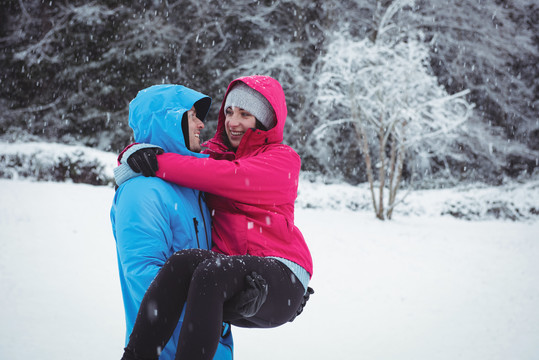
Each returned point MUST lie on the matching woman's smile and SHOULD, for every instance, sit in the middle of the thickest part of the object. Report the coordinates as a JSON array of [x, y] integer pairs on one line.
[[237, 122]]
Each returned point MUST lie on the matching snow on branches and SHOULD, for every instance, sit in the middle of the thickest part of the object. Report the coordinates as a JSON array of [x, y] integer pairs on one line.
[[384, 91]]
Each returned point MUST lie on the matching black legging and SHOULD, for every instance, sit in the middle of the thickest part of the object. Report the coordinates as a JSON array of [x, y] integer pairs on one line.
[[204, 280]]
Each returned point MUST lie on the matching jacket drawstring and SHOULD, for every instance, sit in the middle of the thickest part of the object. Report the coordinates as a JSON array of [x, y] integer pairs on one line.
[[200, 198]]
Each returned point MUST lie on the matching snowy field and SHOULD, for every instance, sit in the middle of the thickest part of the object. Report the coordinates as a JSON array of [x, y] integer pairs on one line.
[[421, 287]]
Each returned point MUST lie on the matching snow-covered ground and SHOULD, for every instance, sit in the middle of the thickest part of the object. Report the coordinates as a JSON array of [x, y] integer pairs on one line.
[[422, 286]]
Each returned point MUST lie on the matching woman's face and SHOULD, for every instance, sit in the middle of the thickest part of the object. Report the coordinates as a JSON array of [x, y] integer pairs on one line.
[[237, 122]]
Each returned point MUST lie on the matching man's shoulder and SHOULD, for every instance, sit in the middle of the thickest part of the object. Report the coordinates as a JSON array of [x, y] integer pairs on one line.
[[141, 188], [142, 182], [152, 187]]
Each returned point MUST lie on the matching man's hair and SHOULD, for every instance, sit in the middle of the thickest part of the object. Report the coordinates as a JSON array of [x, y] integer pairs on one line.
[[185, 130]]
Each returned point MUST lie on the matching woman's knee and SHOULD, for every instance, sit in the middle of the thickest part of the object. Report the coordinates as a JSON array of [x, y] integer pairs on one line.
[[211, 276], [185, 261]]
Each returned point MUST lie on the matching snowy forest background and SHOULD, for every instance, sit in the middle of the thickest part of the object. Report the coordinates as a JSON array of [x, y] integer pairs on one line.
[[70, 68], [445, 91]]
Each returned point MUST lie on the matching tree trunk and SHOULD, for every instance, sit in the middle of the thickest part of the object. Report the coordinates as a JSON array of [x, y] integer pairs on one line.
[[392, 167], [400, 161], [382, 172], [360, 132]]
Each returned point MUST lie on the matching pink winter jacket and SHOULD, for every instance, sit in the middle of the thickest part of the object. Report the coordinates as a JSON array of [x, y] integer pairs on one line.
[[252, 194]]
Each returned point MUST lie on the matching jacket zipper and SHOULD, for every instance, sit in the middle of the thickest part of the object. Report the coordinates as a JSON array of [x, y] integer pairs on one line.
[[200, 197], [195, 222]]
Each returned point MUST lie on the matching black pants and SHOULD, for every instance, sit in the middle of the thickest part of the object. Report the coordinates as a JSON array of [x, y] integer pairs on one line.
[[203, 281]]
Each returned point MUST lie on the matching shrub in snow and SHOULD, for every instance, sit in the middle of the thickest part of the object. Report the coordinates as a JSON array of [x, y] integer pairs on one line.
[[515, 201], [56, 162]]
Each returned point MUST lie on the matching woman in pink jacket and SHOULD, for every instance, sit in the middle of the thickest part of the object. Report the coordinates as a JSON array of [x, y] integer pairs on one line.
[[251, 182]]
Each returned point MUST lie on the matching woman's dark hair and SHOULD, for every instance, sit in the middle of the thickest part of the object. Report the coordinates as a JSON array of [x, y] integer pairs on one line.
[[260, 126], [224, 138]]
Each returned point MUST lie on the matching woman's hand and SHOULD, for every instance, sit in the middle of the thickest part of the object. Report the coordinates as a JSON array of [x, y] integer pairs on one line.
[[306, 297], [145, 160], [249, 301]]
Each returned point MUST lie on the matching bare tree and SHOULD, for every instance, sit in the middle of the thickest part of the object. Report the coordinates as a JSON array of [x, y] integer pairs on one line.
[[383, 90]]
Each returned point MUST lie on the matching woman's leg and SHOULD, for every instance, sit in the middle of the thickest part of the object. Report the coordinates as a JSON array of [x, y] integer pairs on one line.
[[204, 281], [163, 303], [217, 280]]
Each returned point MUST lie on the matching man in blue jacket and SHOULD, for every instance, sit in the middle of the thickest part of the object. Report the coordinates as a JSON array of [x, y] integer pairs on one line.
[[151, 218]]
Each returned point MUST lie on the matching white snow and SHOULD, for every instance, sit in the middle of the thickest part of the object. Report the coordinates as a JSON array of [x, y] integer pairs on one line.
[[422, 286]]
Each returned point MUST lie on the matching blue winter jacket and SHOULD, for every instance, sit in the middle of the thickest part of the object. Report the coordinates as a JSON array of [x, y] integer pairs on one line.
[[151, 218]]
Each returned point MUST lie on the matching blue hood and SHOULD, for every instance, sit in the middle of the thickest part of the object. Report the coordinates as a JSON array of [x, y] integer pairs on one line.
[[156, 113]]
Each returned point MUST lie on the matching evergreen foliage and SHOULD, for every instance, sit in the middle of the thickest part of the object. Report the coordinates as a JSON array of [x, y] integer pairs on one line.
[[70, 68]]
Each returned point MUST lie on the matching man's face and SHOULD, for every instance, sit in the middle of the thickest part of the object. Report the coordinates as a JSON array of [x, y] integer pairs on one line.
[[195, 126]]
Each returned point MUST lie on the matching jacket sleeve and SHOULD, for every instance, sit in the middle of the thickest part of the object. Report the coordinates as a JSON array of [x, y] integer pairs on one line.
[[268, 178], [143, 235]]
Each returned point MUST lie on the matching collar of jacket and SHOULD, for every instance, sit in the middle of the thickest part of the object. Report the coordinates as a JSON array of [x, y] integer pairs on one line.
[[252, 140]]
